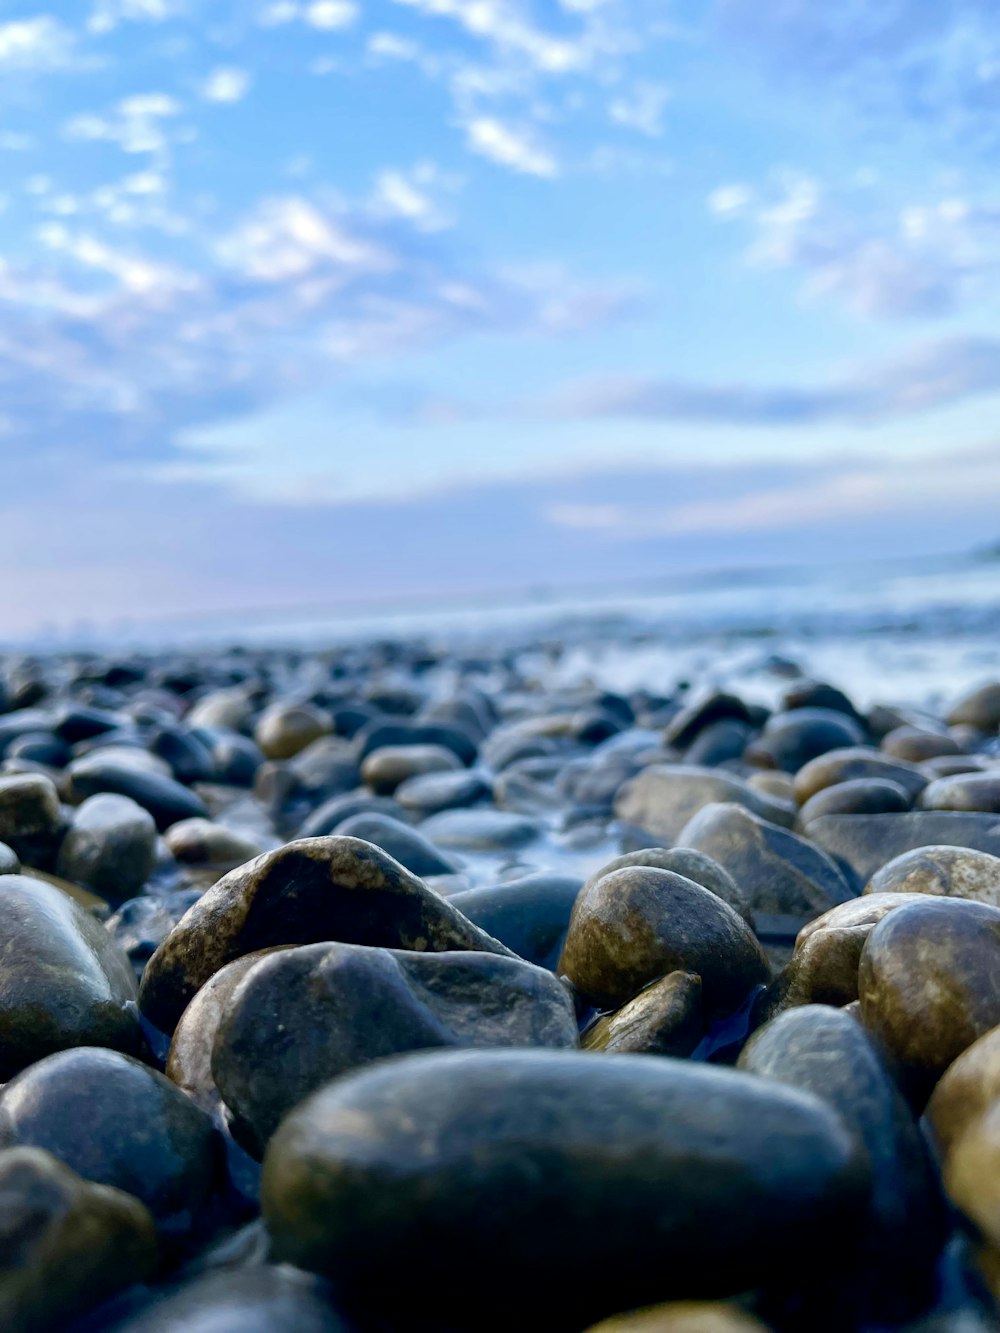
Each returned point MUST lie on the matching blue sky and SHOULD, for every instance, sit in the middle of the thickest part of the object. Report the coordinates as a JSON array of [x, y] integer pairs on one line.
[[312, 300]]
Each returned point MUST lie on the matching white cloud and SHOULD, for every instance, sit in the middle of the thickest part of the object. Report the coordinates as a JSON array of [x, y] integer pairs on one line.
[[135, 125], [411, 195], [40, 43], [138, 276], [729, 200], [330, 14], [642, 108], [11, 142], [517, 149], [290, 237], [107, 15], [499, 23], [226, 84]]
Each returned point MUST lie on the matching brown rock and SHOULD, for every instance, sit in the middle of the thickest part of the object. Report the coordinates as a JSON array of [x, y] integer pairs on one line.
[[664, 1019], [949, 872], [967, 1089]]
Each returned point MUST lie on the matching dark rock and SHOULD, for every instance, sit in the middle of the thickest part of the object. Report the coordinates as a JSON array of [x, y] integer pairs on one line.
[[719, 743], [190, 759], [65, 982], [77, 722], [421, 1171], [855, 762], [664, 1019], [790, 740], [236, 759], [379, 734], [30, 816], [165, 799], [480, 830], [40, 747], [328, 816], [404, 844], [864, 843], [430, 793], [692, 865], [529, 915], [110, 847], [116, 1122], [662, 799], [859, 796], [818, 694], [980, 709], [694, 717], [306, 892]]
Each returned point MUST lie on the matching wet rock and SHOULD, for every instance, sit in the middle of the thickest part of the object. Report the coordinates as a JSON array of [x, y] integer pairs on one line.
[[776, 870], [165, 799], [790, 740], [65, 1245], [692, 865], [284, 729], [110, 847], [116, 1122], [980, 709], [265, 1299], [430, 793], [423, 1170], [65, 981], [862, 844], [379, 734], [305, 1016], [915, 744], [633, 926], [951, 872], [236, 759], [967, 1089], [190, 759], [140, 926], [40, 747], [929, 982], [860, 796], [693, 718], [972, 1180], [9, 863], [662, 800], [818, 694], [200, 842], [480, 830], [404, 844], [664, 1019], [529, 915], [387, 768], [227, 710], [334, 812], [308, 891], [30, 816], [824, 1051], [968, 791], [719, 743], [683, 1317], [855, 762]]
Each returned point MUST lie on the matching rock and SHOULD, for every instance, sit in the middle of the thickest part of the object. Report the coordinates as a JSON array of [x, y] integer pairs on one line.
[[228, 710], [818, 694], [140, 926], [683, 1317], [662, 800], [9, 863], [387, 768], [190, 759], [777, 870], [692, 865], [65, 1245], [980, 709], [633, 926], [529, 915], [334, 812], [860, 796], [914, 744], [284, 729], [950, 872], [116, 1122], [855, 762], [404, 844], [480, 830], [664, 1019], [862, 844], [965, 791], [236, 759], [30, 816], [430, 793], [200, 842], [420, 1172], [65, 981], [399, 732], [266, 1299], [165, 799], [790, 740], [972, 1178], [719, 743], [929, 982], [694, 717], [306, 892], [822, 1050], [305, 1016], [110, 847], [967, 1089]]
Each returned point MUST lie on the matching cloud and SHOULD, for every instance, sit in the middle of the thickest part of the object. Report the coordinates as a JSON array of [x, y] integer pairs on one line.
[[411, 195], [226, 84], [107, 15], [502, 26], [41, 43], [323, 15], [136, 124], [514, 148], [642, 108]]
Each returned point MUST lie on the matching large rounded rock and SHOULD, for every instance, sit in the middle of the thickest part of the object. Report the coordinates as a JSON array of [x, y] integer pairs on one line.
[[915, 744], [689, 863], [963, 791], [688, 722], [404, 844], [862, 844], [967, 1089], [635, 925], [661, 800], [110, 847], [116, 1122], [683, 1317], [283, 730], [200, 842], [972, 1178], [530, 915], [929, 982], [305, 892], [856, 761], [980, 708], [30, 816], [667, 1018], [420, 1173], [65, 1245], [303, 1016], [63, 979], [790, 740], [950, 872], [778, 871], [825, 1051], [860, 796], [165, 799], [390, 766], [430, 793]]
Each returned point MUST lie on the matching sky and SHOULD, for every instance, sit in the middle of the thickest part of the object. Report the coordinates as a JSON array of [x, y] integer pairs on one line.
[[307, 302]]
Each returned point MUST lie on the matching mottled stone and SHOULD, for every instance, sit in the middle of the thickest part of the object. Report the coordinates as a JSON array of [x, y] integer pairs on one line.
[[666, 1018], [110, 847], [662, 800], [306, 892], [692, 865], [862, 844], [30, 816], [420, 1172], [529, 915], [304, 1016], [66, 1245], [929, 982], [65, 982], [116, 1122], [385, 769], [776, 870], [963, 791], [633, 926], [980, 708], [855, 762], [950, 872], [967, 1089]]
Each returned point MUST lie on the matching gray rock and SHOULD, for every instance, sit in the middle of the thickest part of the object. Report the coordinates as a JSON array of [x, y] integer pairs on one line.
[[404, 844], [110, 847], [662, 800], [480, 830], [865, 843]]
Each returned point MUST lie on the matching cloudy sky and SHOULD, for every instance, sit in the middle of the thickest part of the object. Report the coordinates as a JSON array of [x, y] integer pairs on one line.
[[309, 301]]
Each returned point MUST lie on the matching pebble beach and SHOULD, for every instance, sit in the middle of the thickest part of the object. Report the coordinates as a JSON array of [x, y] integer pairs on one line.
[[544, 980]]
